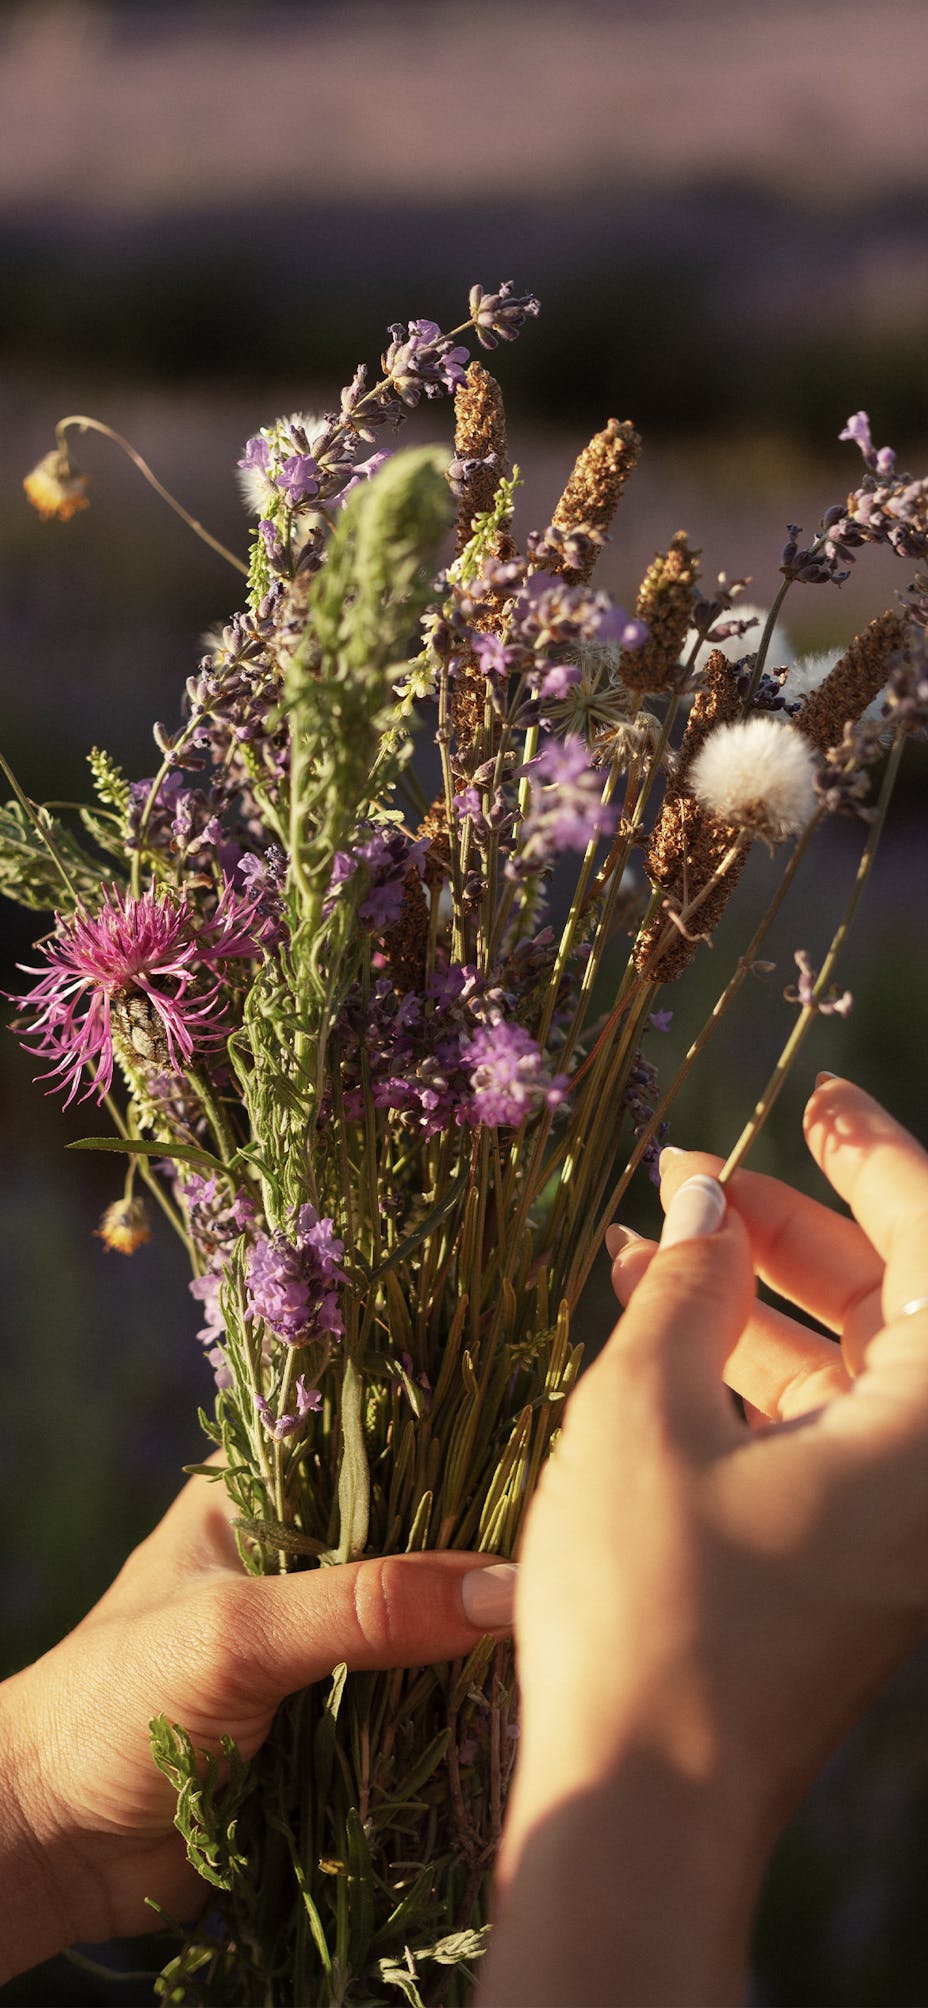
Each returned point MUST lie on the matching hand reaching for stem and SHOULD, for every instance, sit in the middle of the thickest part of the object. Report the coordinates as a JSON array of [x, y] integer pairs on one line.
[[704, 1606]]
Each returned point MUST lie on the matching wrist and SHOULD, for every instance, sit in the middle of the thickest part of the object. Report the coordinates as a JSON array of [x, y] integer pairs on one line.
[[35, 1914], [624, 1879]]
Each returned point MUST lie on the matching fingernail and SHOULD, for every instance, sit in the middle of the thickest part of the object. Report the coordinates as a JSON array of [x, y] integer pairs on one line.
[[617, 1237], [667, 1157], [488, 1596], [696, 1209], [821, 1078]]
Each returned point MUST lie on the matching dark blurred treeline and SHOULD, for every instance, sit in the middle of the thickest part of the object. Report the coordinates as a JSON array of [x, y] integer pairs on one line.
[[720, 305]]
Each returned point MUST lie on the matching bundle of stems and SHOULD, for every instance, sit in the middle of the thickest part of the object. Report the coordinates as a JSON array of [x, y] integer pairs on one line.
[[384, 1059]]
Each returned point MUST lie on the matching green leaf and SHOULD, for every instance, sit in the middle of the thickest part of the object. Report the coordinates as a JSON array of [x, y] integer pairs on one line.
[[360, 1890], [29, 873], [354, 1479], [456, 1946], [394, 1975], [110, 783], [134, 1146], [407, 1910], [346, 723], [207, 1813], [421, 1771]]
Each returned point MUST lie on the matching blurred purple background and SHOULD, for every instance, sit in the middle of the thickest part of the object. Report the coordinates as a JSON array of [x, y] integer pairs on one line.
[[208, 214]]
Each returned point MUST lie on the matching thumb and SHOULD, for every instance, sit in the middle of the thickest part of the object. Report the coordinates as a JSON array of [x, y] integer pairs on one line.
[[689, 1308], [263, 1638]]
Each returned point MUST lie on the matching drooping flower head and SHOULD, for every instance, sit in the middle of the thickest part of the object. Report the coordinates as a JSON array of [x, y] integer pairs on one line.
[[143, 971], [758, 773], [125, 1226], [55, 487]]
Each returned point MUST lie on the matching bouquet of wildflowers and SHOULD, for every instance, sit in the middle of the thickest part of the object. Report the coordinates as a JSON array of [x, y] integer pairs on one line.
[[387, 1076]]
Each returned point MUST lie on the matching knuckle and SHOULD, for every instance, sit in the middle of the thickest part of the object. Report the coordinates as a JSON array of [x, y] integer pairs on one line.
[[379, 1595], [222, 1635]]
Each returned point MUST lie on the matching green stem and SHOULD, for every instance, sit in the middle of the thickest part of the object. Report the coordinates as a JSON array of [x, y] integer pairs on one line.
[[764, 644], [810, 1011], [85, 424], [150, 1179], [166, 767], [32, 817], [694, 1050], [213, 1111]]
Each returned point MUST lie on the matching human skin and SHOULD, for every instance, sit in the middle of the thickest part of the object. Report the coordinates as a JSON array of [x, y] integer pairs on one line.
[[702, 1609], [703, 1606], [86, 1820]]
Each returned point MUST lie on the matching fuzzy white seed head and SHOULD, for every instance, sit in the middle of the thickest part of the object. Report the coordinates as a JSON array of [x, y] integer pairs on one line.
[[758, 773], [808, 673], [258, 493]]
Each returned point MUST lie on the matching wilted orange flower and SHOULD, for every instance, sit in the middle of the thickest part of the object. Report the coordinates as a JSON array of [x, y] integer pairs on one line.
[[55, 488], [125, 1226]]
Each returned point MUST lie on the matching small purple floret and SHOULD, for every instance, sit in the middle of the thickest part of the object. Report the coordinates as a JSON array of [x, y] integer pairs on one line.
[[293, 1285], [508, 1080]]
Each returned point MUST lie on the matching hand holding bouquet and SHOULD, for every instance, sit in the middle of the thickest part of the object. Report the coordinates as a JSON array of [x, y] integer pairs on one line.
[[388, 1084]]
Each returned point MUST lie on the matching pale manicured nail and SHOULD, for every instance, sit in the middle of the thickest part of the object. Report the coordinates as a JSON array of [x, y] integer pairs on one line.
[[696, 1209], [488, 1596], [820, 1079], [617, 1237], [668, 1156]]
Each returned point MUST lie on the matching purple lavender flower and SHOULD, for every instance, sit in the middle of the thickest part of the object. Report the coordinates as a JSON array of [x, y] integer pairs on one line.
[[496, 661], [508, 1080], [256, 453], [887, 508], [567, 810], [501, 316], [804, 991], [293, 1285], [857, 430], [139, 967], [551, 614], [274, 544], [308, 1402], [383, 858], [364, 471], [212, 1332], [639, 1101], [468, 803], [205, 1289], [420, 358], [298, 479], [462, 471]]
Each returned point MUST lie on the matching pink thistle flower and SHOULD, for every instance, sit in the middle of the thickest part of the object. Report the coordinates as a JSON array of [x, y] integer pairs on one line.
[[135, 969]]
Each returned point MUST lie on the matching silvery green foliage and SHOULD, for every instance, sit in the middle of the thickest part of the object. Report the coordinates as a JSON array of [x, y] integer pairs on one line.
[[42, 865]]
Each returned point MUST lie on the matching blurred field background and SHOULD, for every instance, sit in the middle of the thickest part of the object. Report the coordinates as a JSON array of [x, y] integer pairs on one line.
[[208, 214]]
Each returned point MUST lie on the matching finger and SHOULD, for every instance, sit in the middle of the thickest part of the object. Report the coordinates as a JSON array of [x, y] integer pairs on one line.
[[882, 1173], [691, 1301], [778, 1367], [803, 1250], [258, 1639]]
